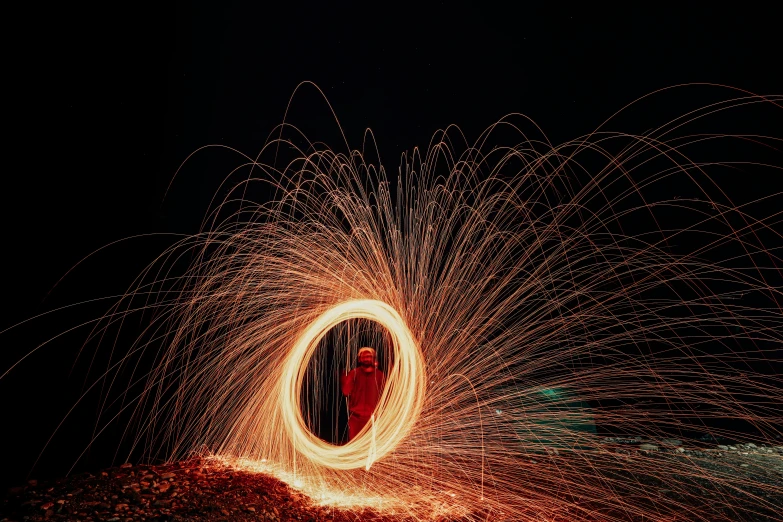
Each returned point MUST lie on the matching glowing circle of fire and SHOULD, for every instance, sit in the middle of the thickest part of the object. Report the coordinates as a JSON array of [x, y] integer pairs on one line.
[[399, 405]]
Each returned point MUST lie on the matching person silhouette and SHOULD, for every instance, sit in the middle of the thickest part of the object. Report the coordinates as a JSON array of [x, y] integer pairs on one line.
[[363, 386]]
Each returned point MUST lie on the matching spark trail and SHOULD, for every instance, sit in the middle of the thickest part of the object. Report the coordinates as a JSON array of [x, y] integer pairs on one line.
[[528, 291]]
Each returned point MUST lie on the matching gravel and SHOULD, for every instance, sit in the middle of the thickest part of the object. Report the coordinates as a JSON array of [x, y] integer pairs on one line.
[[197, 489], [189, 490]]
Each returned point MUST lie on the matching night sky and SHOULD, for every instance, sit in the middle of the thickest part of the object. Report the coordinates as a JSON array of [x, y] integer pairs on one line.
[[105, 103]]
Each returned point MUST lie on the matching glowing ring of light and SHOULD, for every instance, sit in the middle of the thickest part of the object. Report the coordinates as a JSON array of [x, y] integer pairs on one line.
[[398, 408]]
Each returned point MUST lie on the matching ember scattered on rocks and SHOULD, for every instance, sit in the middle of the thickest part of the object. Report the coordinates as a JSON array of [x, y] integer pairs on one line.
[[203, 490], [188, 490]]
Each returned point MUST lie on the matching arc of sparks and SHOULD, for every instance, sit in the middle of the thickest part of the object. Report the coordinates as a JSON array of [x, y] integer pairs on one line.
[[533, 293]]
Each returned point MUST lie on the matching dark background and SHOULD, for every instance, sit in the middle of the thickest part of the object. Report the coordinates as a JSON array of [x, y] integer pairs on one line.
[[103, 103]]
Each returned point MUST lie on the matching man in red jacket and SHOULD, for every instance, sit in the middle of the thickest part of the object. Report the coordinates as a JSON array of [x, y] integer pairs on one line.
[[363, 386]]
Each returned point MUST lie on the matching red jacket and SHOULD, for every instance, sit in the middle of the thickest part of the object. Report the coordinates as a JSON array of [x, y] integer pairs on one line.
[[363, 390]]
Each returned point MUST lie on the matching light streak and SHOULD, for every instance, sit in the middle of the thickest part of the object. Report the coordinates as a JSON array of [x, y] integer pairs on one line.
[[521, 313], [399, 405]]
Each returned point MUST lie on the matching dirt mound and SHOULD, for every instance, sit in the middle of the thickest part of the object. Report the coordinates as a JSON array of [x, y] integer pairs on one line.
[[189, 490]]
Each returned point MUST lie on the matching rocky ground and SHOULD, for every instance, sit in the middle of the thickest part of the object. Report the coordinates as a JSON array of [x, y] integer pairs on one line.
[[747, 475], [200, 490], [189, 490]]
